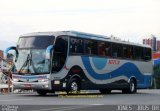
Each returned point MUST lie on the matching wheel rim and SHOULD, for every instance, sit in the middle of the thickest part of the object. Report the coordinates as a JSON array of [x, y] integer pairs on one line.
[[132, 86], [74, 86]]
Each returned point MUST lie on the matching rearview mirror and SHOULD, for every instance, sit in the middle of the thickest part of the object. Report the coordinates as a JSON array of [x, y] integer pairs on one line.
[[48, 51], [6, 52]]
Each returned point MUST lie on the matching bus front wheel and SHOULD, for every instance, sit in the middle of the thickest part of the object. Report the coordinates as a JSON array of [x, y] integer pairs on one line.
[[41, 92], [73, 86]]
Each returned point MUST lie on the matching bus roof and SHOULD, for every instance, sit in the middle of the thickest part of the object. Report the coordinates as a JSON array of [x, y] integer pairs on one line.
[[84, 35]]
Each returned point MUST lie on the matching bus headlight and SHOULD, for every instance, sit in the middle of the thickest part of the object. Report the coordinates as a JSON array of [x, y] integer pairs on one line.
[[15, 80], [46, 86], [43, 80]]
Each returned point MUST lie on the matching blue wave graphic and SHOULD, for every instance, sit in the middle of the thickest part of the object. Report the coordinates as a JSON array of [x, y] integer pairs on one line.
[[128, 70], [99, 63]]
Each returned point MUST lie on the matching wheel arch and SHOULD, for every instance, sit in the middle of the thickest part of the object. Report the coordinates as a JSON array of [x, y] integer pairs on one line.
[[75, 76], [76, 72]]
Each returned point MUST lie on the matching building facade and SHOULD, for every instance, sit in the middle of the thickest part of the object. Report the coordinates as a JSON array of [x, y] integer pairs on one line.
[[153, 42], [1, 53], [158, 45]]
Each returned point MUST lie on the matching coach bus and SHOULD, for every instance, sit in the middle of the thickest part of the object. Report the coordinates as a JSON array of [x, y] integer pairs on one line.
[[72, 61]]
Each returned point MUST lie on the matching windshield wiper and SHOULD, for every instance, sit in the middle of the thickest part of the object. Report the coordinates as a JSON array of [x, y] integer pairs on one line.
[[31, 63], [24, 64]]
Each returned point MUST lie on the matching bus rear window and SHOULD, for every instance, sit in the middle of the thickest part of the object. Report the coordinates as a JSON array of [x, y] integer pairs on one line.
[[35, 42], [147, 53]]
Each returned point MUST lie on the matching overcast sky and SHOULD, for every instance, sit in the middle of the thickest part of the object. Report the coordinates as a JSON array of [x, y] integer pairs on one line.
[[127, 19]]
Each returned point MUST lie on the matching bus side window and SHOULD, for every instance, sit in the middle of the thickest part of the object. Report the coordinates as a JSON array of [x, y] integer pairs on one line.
[[87, 47], [80, 46], [91, 47], [108, 49], [114, 50], [147, 54], [101, 48], [119, 53], [73, 45], [139, 53], [94, 47], [130, 52], [77, 46], [127, 51], [117, 50]]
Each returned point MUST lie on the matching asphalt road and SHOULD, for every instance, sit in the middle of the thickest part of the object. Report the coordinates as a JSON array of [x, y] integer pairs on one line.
[[92, 101]]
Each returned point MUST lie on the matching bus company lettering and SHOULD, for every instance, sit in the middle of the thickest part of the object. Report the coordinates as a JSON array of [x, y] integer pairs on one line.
[[113, 61]]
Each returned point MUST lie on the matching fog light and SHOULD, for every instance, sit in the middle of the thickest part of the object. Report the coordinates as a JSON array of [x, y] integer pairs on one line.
[[56, 82]]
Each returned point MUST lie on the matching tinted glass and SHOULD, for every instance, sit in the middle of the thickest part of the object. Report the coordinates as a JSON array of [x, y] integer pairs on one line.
[[61, 44], [104, 49], [117, 50], [139, 53], [127, 51], [35, 63], [108, 49], [147, 53], [60, 53], [101, 48], [90, 47], [77, 45], [35, 42]]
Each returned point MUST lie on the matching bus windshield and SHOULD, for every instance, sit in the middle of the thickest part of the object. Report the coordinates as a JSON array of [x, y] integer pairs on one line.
[[31, 61], [32, 55]]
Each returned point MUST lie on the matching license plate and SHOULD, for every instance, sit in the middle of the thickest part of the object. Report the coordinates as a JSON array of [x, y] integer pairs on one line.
[[27, 85]]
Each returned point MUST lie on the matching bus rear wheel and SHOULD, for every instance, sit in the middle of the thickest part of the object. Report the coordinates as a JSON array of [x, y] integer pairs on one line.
[[73, 87], [105, 91], [41, 92], [132, 87]]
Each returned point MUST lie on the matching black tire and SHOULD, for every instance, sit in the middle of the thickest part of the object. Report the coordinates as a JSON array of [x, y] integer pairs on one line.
[[132, 87], [105, 91], [41, 92], [73, 87], [124, 91]]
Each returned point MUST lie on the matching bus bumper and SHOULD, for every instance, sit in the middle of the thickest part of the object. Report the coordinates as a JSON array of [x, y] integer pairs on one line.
[[36, 86]]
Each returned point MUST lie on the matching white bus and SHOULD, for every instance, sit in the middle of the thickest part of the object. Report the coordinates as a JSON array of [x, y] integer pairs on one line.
[[74, 61]]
